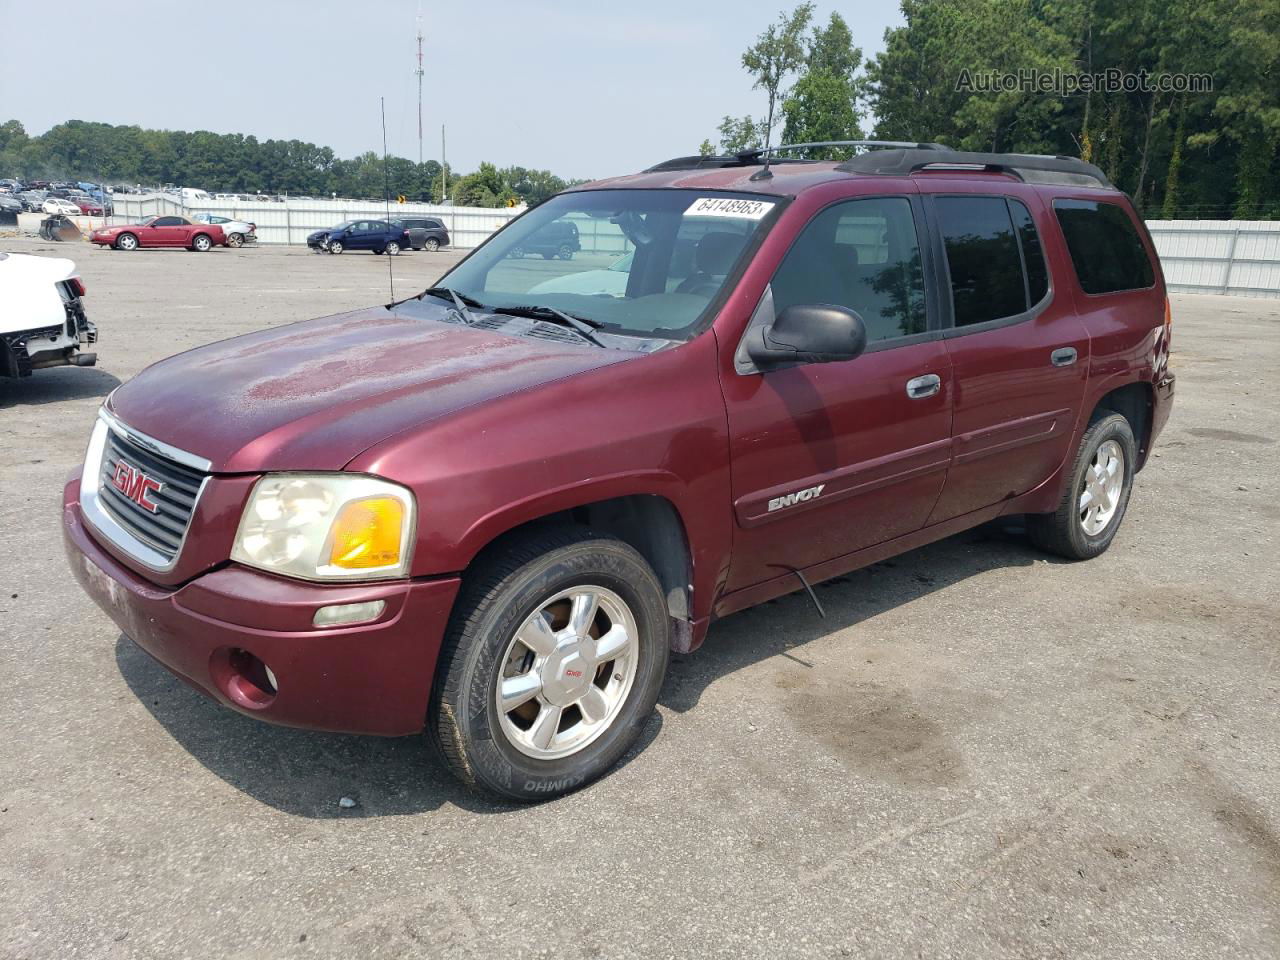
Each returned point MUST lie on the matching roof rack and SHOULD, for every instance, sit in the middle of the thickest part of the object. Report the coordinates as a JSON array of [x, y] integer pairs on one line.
[[748, 158], [1031, 168], [758, 155]]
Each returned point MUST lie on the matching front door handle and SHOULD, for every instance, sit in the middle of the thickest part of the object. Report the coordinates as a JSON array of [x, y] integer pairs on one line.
[[1063, 356], [926, 386]]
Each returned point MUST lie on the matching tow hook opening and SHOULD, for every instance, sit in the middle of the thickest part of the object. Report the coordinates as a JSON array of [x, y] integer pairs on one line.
[[247, 679]]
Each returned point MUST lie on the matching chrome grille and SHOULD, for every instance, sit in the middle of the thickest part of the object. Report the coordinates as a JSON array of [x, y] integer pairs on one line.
[[164, 530]]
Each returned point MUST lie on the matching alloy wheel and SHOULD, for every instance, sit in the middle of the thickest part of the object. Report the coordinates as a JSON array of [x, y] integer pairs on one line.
[[566, 672], [1103, 485]]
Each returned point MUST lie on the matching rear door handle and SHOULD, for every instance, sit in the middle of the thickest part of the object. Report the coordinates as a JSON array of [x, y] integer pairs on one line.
[[1063, 357], [926, 386]]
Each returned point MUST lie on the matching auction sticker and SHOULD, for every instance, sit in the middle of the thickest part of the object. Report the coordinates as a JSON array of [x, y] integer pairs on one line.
[[733, 207]]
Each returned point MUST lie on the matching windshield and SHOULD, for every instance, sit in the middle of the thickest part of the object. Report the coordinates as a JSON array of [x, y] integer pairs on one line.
[[645, 262], [342, 226]]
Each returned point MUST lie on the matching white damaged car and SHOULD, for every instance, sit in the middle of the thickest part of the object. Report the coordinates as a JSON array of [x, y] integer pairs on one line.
[[42, 323]]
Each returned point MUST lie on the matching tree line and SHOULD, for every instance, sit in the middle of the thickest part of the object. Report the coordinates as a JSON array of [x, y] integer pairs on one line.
[[1180, 153], [235, 163]]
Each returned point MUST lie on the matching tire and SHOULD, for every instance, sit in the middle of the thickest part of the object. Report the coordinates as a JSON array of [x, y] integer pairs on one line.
[[235, 240], [127, 242], [565, 252], [548, 256], [335, 246], [1080, 529], [392, 249], [431, 245], [489, 748], [201, 243]]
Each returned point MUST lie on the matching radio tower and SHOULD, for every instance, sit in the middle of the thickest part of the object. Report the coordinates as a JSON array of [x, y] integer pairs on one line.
[[419, 73]]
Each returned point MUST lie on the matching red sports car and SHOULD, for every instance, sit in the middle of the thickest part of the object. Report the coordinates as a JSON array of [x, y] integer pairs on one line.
[[168, 231]]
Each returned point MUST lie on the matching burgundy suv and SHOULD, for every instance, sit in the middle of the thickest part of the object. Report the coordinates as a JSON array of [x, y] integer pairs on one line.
[[490, 511]]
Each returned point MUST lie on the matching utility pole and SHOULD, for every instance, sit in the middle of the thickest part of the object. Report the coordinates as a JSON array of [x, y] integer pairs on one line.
[[419, 72], [444, 168]]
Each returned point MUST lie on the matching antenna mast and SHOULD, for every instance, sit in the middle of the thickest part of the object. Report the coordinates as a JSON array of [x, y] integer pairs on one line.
[[419, 72]]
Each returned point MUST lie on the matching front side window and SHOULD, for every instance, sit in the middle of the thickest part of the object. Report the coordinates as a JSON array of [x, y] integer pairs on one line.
[[1106, 251], [860, 254], [642, 262]]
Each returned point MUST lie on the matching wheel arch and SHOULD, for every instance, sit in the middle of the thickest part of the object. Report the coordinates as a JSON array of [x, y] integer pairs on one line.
[[650, 523], [1135, 401]]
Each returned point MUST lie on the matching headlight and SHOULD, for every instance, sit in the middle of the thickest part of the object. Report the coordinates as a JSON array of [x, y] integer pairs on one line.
[[327, 526]]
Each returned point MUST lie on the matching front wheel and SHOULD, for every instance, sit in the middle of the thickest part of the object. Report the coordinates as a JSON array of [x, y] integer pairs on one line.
[[126, 241], [1096, 495], [335, 246], [551, 666]]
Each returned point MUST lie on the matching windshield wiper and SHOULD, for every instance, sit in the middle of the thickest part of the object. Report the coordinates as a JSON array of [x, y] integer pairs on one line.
[[460, 301], [583, 326]]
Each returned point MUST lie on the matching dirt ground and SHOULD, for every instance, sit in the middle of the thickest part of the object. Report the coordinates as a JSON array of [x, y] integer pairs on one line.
[[981, 752]]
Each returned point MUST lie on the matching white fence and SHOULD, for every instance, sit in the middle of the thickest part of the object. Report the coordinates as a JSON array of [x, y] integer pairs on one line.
[[1235, 257]]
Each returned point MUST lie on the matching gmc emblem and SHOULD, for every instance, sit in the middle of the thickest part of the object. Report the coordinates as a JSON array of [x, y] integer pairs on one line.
[[136, 485]]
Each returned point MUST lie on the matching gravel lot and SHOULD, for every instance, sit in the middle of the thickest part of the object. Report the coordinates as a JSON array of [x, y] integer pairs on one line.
[[981, 752]]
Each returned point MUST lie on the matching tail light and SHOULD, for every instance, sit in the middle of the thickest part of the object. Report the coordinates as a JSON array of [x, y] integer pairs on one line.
[[78, 285]]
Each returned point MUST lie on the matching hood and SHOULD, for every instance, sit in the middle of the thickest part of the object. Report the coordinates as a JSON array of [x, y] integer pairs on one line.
[[26, 268], [314, 395]]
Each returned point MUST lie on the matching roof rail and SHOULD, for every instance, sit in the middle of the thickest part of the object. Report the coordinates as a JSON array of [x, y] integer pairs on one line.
[[748, 158], [758, 155], [1031, 168], [887, 144]]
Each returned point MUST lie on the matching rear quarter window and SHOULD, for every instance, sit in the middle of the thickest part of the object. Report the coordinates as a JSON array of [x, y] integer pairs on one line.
[[1105, 248]]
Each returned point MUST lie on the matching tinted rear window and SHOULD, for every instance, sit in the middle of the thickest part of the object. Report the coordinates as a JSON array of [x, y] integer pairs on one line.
[[983, 259], [1105, 247]]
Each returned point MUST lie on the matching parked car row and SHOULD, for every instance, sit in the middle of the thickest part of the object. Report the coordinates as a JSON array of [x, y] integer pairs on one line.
[[40, 196], [381, 236]]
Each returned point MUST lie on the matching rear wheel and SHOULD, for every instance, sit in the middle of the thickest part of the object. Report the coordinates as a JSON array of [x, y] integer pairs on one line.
[[126, 241], [552, 664], [392, 248], [235, 239], [565, 252], [431, 245], [1096, 495], [201, 243]]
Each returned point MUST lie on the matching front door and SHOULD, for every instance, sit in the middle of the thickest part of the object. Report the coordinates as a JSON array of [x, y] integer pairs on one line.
[[830, 458], [1019, 352]]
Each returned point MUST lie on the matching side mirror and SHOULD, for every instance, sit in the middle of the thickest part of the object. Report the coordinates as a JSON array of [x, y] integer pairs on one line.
[[808, 333]]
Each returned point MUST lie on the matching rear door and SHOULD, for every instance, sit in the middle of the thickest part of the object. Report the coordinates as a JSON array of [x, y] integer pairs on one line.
[[1019, 352], [830, 458]]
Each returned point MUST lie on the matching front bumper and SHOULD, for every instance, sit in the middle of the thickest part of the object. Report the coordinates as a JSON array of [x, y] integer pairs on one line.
[[370, 678]]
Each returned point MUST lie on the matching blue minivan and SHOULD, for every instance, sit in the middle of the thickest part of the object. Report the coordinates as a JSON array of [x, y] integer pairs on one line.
[[376, 235]]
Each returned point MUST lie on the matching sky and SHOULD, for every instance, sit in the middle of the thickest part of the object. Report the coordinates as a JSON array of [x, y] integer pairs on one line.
[[580, 88]]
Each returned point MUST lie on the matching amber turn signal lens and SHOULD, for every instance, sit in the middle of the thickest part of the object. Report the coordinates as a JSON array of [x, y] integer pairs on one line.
[[366, 534]]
